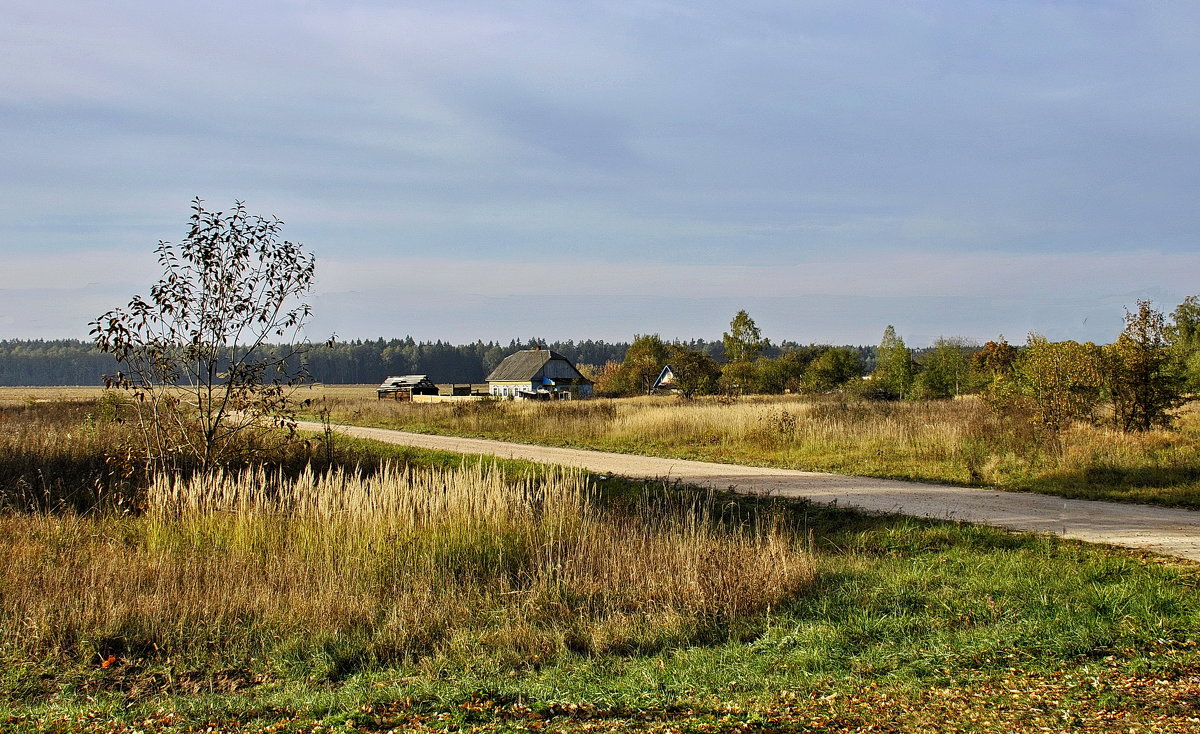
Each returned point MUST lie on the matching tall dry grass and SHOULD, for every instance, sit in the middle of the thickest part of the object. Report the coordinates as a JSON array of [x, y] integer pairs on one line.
[[960, 441], [63, 455], [399, 564], [85, 455]]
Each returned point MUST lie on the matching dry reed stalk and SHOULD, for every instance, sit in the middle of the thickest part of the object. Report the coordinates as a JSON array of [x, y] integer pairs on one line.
[[404, 561]]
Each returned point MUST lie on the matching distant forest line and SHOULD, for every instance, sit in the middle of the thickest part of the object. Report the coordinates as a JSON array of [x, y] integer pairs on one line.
[[27, 363]]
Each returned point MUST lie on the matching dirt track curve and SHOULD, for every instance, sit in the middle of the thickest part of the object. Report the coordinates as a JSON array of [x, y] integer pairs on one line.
[[1161, 530]]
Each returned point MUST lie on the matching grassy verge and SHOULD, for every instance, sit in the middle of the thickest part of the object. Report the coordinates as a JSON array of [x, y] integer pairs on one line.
[[959, 442], [909, 626], [262, 605]]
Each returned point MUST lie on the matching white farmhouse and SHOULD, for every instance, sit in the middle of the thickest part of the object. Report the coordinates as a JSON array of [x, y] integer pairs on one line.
[[538, 374]]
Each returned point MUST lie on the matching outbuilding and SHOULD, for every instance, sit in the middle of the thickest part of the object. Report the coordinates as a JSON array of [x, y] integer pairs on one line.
[[405, 386], [667, 381]]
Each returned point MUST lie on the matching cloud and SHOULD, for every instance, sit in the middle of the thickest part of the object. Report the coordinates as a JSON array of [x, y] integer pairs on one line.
[[883, 274], [838, 300], [663, 150]]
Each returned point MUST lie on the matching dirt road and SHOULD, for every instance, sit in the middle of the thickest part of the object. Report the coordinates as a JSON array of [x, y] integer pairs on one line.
[[1161, 530]]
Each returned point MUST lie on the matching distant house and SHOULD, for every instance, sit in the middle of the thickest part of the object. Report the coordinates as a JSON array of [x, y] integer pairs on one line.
[[666, 380], [538, 374], [404, 387]]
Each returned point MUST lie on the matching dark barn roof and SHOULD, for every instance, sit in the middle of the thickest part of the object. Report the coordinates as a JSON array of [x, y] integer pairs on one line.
[[419, 384], [527, 365]]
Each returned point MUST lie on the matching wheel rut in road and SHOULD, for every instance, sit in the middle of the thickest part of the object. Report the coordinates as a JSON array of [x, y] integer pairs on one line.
[[1168, 531]]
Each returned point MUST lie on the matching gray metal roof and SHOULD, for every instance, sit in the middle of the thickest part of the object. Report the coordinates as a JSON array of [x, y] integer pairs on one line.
[[406, 381]]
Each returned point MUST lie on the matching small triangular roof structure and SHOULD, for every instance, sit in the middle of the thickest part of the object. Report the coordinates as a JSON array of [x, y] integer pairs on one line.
[[666, 379]]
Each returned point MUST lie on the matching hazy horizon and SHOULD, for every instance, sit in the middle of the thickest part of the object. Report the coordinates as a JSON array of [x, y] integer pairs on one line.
[[469, 171]]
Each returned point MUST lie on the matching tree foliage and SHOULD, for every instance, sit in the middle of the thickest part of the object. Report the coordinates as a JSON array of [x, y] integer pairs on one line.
[[995, 360], [743, 342], [1139, 377], [834, 368], [1144, 379], [197, 352], [781, 374], [1183, 335], [1059, 382], [643, 362], [737, 378], [945, 369], [894, 368], [696, 373]]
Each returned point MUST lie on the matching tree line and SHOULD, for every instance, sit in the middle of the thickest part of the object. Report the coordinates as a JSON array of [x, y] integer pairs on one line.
[[199, 357], [358, 361], [1146, 371], [75, 362], [1152, 367]]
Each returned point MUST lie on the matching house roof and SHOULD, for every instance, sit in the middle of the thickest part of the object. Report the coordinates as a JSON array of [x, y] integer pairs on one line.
[[666, 378], [528, 364]]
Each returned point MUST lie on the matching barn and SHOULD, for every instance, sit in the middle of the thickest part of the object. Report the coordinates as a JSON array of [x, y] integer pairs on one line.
[[538, 374]]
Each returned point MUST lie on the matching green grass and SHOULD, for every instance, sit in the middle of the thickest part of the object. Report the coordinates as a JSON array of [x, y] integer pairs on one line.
[[902, 608], [910, 625]]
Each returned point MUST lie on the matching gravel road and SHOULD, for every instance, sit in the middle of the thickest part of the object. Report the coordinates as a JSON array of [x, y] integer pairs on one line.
[[1161, 530]]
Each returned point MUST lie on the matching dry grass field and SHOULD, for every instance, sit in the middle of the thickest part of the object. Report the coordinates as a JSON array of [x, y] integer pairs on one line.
[[956, 441], [398, 564], [30, 395], [395, 590]]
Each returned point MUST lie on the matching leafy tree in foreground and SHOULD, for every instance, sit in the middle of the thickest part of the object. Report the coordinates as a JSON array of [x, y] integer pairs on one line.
[[1144, 379], [196, 353]]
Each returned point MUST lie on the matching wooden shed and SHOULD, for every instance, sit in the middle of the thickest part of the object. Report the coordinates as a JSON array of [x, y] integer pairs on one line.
[[404, 387]]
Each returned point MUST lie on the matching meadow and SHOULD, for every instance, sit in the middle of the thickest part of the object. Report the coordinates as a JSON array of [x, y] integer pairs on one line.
[[952, 441], [364, 587]]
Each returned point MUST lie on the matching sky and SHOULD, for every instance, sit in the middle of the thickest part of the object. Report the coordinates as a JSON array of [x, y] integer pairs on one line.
[[596, 170]]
